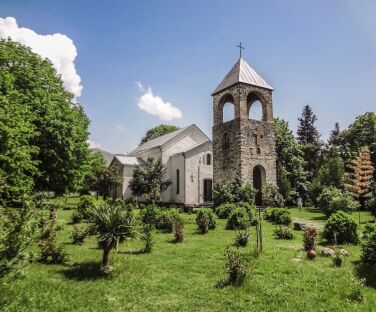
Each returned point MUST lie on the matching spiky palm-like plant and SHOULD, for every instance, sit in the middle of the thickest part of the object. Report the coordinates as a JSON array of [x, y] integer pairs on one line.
[[113, 224]]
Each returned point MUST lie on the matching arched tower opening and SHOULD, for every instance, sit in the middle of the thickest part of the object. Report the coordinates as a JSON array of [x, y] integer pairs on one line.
[[256, 107], [258, 183]]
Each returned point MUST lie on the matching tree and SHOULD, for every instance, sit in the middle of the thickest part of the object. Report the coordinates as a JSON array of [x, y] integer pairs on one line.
[[18, 228], [290, 163], [335, 135], [149, 180], [309, 138], [158, 131], [113, 224], [109, 179], [97, 168], [359, 180], [362, 132], [43, 133]]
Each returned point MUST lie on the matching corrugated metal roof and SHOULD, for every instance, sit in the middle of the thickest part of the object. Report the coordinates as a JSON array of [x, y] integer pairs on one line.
[[128, 160], [159, 141], [242, 72]]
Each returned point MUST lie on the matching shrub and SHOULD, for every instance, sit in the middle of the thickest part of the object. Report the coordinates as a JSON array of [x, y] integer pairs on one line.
[[227, 193], [149, 214], [238, 219], [332, 200], [309, 238], [78, 235], [77, 217], [147, 237], [242, 238], [223, 211], [337, 260], [371, 206], [368, 244], [283, 232], [120, 202], [205, 220], [179, 232], [278, 215], [271, 196], [250, 208], [340, 228], [245, 193], [167, 218], [222, 193], [50, 251], [85, 204], [236, 268]]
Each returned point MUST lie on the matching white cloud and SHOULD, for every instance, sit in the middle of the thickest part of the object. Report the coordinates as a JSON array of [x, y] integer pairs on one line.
[[121, 128], [58, 48], [140, 86], [93, 144], [155, 105]]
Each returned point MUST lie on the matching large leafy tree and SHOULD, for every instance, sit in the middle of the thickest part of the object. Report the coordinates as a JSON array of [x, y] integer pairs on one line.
[[97, 165], [309, 138], [149, 180], [292, 177], [158, 131], [43, 133]]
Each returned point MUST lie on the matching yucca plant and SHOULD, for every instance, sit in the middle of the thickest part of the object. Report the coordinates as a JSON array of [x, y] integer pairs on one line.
[[113, 225]]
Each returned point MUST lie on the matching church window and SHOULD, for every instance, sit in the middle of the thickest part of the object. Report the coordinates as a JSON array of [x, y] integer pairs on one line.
[[226, 141], [258, 151], [177, 181], [208, 159]]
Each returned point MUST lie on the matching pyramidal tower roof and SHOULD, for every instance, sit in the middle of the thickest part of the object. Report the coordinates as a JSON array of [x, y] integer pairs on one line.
[[242, 72]]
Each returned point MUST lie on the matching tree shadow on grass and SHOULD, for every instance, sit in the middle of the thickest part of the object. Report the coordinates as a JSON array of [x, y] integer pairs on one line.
[[84, 271], [366, 271]]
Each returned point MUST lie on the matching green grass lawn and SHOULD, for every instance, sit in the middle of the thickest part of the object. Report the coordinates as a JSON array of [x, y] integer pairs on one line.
[[186, 276]]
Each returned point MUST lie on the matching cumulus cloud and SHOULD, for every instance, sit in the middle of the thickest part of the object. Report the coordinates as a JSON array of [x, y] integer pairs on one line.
[[140, 86], [93, 144], [155, 105], [58, 48]]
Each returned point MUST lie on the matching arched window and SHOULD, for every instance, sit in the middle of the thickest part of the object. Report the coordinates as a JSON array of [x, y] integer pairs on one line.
[[226, 141], [208, 159], [228, 111], [177, 181], [255, 111]]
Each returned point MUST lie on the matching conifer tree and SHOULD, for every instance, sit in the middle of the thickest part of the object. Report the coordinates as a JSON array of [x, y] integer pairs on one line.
[[335, 135], [309, 138], [359, 180]]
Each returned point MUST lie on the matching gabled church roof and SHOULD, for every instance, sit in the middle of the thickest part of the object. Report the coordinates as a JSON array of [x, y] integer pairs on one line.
[[242, 72], [161, 140], [130, 161]]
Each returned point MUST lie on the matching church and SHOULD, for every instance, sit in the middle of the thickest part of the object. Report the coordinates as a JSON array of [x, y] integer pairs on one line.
[[242, 147]]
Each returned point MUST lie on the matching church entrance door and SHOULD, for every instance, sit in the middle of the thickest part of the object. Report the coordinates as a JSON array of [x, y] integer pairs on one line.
[[208, 186], [257, 184]]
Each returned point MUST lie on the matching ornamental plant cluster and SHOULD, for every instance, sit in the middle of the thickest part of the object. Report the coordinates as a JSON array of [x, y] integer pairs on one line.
[[205, 220], [239, 215], [278, 216]]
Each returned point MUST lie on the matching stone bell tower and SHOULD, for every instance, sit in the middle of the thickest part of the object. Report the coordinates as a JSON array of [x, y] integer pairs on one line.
[[244, 147]]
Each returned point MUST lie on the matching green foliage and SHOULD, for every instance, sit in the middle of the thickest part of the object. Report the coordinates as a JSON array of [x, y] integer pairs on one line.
[[368, 244], [236, 267], [85, 204], [238, 219], [277, 215], [147, 237], [247, 206], [283, 232], [51, 251], [78, 235], [96, 172], [271, 196], [43, 142], [371, 206], [242, 238], [158, 131], [77, 217], [149, 214], [113, 225], [167, 218], [205, 220], [18, 228], [227, 193], [223, 211], [309, 238], [340, 228], [332, 200], [149, 180], [109, 179], [337, 260], [292, 176]]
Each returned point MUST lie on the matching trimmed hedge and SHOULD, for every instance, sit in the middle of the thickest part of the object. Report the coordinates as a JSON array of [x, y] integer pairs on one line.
[[278, 215]]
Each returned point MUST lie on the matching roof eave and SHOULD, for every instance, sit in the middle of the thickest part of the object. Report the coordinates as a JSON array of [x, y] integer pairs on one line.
[[220, 90]]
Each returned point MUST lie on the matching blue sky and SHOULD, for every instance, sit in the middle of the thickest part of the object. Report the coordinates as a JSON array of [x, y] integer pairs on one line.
[[320, 53]]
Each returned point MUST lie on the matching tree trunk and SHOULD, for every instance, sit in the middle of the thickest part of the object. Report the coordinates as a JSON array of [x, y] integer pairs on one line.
[[106, 260]]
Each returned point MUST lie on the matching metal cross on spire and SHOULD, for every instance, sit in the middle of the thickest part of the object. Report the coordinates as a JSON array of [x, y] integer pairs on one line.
[[240, 48]]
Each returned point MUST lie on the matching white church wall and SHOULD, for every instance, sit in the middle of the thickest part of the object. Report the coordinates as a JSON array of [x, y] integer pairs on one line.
[[176, 162], [196, 172]]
